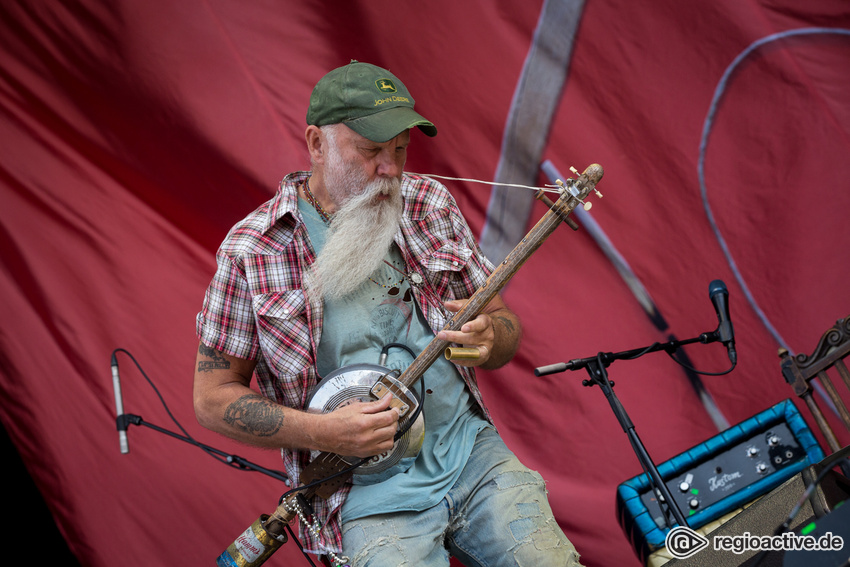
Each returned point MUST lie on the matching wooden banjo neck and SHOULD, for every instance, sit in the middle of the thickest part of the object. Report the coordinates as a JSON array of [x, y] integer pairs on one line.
[[573, 193]]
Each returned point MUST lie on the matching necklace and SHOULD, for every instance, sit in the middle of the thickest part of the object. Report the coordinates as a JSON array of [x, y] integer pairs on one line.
[[326, 217]]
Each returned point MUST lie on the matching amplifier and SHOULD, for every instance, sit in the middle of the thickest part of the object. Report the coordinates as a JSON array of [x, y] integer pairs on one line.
[[718, 476]]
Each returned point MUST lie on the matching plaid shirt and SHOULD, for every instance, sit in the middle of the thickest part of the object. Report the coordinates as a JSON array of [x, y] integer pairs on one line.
[[255, 307]]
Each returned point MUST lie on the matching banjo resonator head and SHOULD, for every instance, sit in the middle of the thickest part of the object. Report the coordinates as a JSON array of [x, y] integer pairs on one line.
[[353, 383]]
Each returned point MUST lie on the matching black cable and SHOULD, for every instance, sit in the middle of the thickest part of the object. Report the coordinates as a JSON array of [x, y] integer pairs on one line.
[[229, 461], [298, 543], [647, 350], [412, 419], [386, 348], [827, 465], [191, 440], [683, 365], [659, 346]]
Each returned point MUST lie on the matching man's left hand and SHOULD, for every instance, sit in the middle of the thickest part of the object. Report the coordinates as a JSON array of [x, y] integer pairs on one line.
[[495, 333]]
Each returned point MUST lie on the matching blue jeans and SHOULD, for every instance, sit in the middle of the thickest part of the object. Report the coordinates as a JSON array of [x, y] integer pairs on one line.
[[497, 514]]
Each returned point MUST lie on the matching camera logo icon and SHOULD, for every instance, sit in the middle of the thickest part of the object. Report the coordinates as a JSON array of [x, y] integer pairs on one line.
[[682, 542]]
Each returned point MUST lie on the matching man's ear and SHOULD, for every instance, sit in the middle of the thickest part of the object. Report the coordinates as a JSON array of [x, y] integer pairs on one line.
[[315, 143]]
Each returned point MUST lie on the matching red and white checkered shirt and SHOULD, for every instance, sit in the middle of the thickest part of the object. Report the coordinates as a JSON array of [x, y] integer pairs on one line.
[[255, 307]]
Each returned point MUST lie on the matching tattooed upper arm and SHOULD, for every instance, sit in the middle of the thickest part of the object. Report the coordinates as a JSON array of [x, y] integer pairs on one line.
[[216, 366], [210, 359]]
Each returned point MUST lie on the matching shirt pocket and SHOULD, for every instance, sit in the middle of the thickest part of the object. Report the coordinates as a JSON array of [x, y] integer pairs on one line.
[[446, 267], [450, 257], [284, 332]]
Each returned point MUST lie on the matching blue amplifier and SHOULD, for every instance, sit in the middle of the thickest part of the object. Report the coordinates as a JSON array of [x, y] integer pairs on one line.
[[718, 476]]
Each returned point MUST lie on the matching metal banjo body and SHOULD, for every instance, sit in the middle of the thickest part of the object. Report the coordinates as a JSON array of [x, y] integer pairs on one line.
[[358, 383]]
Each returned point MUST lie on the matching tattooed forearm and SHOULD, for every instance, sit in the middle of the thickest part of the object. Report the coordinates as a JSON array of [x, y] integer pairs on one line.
[[216, 360], [506, 323], [508, 331], [254, 414]]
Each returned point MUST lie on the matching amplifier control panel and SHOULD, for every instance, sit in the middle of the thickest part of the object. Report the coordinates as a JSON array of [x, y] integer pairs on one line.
[[755, 458]]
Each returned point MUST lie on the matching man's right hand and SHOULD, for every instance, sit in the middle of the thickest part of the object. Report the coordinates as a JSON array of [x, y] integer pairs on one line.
[[359, 429]]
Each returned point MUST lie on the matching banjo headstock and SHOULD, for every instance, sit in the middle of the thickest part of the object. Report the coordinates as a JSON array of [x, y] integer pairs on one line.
[[574, 191]]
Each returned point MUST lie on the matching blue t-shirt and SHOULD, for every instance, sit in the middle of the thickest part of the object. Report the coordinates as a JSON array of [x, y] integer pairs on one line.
[[355, 330]]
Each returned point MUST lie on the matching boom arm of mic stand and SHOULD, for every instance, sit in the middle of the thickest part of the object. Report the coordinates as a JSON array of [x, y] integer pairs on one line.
[[130, 419], [595, 367], [609, 357]]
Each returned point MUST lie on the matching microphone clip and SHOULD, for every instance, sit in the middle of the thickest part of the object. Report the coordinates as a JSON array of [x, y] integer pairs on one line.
[[125, 419], [709, 337]]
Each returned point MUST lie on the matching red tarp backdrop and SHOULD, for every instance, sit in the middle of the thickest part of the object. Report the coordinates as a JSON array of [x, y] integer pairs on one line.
[[136, 133]]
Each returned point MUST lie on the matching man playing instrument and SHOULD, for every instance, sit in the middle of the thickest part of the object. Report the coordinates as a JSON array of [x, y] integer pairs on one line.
[[357, 262]]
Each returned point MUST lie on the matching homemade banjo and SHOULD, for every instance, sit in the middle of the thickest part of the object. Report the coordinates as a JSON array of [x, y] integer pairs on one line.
[[328, 471]]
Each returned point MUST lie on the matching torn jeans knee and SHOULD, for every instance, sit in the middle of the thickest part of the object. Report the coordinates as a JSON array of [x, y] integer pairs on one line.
[[535, 536]]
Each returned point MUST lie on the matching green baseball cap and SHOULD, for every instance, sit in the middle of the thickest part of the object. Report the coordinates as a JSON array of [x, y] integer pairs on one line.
[[371, 101]]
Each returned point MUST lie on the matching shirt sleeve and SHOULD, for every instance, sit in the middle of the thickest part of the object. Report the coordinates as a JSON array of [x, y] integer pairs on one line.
[[226, 321]]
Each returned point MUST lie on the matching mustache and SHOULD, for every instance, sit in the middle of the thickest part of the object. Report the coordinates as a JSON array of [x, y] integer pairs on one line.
[[382, 186]]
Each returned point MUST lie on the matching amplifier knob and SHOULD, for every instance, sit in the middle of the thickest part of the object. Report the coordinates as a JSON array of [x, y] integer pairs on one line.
[[761, 468], [684, 486], [693, 503], [752, 451], [773, 441]]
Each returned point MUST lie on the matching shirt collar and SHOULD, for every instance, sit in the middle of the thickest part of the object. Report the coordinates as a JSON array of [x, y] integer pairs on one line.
[[285, 200]]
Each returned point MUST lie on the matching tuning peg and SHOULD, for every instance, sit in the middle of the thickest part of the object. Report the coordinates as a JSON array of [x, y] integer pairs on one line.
[[574, 191], [575, 171]]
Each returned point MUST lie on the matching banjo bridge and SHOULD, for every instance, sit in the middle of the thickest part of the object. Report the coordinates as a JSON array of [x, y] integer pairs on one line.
[[402, 401]]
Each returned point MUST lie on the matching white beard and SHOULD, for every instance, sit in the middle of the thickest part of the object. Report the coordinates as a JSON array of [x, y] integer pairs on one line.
[[359, 237]]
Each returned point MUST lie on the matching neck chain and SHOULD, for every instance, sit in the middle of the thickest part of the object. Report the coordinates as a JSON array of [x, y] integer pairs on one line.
[[326, 217]]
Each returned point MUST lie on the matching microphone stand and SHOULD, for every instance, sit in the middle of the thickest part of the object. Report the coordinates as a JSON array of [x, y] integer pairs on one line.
[[126, 419], [131, 419], [596, 368]]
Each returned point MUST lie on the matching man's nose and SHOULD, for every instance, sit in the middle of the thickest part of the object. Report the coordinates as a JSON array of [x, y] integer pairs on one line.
[[388, 165]]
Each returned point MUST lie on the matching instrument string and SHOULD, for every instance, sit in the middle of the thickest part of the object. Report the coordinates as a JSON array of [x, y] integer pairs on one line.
[[547, 188]]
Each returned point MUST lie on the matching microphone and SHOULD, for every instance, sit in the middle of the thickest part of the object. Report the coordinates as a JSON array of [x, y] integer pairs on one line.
[[551, 369], [725, 333], [119, 408]]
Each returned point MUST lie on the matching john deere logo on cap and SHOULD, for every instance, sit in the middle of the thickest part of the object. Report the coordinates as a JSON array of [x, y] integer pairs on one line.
[[385, 86]]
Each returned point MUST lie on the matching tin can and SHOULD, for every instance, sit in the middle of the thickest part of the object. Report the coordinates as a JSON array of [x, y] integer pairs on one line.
[[252, 547]]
